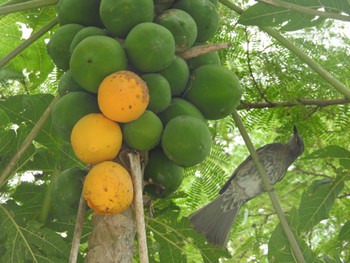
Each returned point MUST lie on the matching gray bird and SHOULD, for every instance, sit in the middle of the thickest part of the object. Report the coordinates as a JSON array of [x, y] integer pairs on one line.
[[215, 220]]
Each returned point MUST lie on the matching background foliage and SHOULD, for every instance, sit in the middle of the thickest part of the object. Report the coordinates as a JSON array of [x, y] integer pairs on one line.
[[315, 193]]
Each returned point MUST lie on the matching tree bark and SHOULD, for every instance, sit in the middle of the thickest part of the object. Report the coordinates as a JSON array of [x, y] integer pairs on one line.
[[112, 238]]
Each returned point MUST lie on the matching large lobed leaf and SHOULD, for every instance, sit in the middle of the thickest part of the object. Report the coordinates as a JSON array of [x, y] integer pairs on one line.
[[34, 63], [280, 250], [332, 152], [23, 239], [263, 14], [317, 201], [19, 114]]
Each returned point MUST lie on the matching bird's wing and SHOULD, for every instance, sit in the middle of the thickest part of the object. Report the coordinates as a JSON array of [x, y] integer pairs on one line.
[[244, 163]]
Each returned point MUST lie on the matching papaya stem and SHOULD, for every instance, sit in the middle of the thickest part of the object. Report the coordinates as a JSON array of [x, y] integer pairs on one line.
[[78, 230], [197, 51], [17, 7], [27, 42], [137, 176], [46, 206], [33, 133], [12, 2]]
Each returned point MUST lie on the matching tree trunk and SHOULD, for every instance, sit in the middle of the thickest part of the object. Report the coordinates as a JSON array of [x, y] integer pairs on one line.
[[112, 238]]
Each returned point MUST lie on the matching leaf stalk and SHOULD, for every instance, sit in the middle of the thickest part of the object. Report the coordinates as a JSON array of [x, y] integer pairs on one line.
[[31, 136], [27, 42], [17, 7], [270, 190]]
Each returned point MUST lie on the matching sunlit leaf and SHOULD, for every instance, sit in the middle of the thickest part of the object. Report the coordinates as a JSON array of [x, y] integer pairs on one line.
[[317, 201], [280, 250], [263, 14], [332, 152], [344, 233]]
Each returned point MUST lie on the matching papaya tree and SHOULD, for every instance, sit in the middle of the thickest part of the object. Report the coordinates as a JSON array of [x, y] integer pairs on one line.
[[119, 119]]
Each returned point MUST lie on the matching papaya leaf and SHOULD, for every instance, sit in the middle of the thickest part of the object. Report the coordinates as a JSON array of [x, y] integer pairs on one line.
[[344, 233], [46, 243], [317, 201], [332, 152], [34, 61], [22, 112], [263, 14], [279, 247], [12, 235], [29, 194], [24, 239]]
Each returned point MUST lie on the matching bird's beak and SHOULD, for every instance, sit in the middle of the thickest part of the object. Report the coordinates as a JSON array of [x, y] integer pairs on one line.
[[295, 131]]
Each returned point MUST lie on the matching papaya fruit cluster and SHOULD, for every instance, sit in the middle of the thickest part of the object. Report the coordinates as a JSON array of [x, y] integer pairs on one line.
[[125, 82]]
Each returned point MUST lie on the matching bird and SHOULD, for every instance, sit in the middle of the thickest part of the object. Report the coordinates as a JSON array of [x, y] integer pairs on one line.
[[216, 219]]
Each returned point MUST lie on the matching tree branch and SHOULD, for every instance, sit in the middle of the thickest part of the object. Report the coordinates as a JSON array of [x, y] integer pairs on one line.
[[305, 10], [197, 51], [307, 102]]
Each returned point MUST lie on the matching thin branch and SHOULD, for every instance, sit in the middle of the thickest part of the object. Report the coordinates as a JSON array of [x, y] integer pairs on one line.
[[137, 175], [305, 10], [328, 77], [297, 168], [307, 102], [251, 70], [344, 196], [27, 42], [197, 51], [270, 190], [8, 9], [78, 230], [31, 136]]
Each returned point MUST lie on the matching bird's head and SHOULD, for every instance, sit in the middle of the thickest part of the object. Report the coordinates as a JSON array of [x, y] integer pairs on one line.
[[296, 143]]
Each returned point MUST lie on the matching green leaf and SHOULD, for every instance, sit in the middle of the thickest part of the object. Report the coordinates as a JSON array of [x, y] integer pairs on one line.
[[173, 236], [23, 239], [48, 150], [46, 243], [34, 61], [280, 250], [29, 193], [263, 14], [332, 152], [344, 233], [317, 201]]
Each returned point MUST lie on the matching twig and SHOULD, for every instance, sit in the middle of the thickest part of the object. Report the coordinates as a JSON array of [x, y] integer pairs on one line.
[[27, 42], [25, 6], [78, 230], [297, 168], [136, 173], [33, 133], [251, 70], [305, 10], [343, 196], [197, 51], [270, 190], [272, 104]]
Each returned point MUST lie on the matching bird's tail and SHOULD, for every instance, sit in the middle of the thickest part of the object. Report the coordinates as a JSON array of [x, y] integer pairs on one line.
[[214, 221]]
